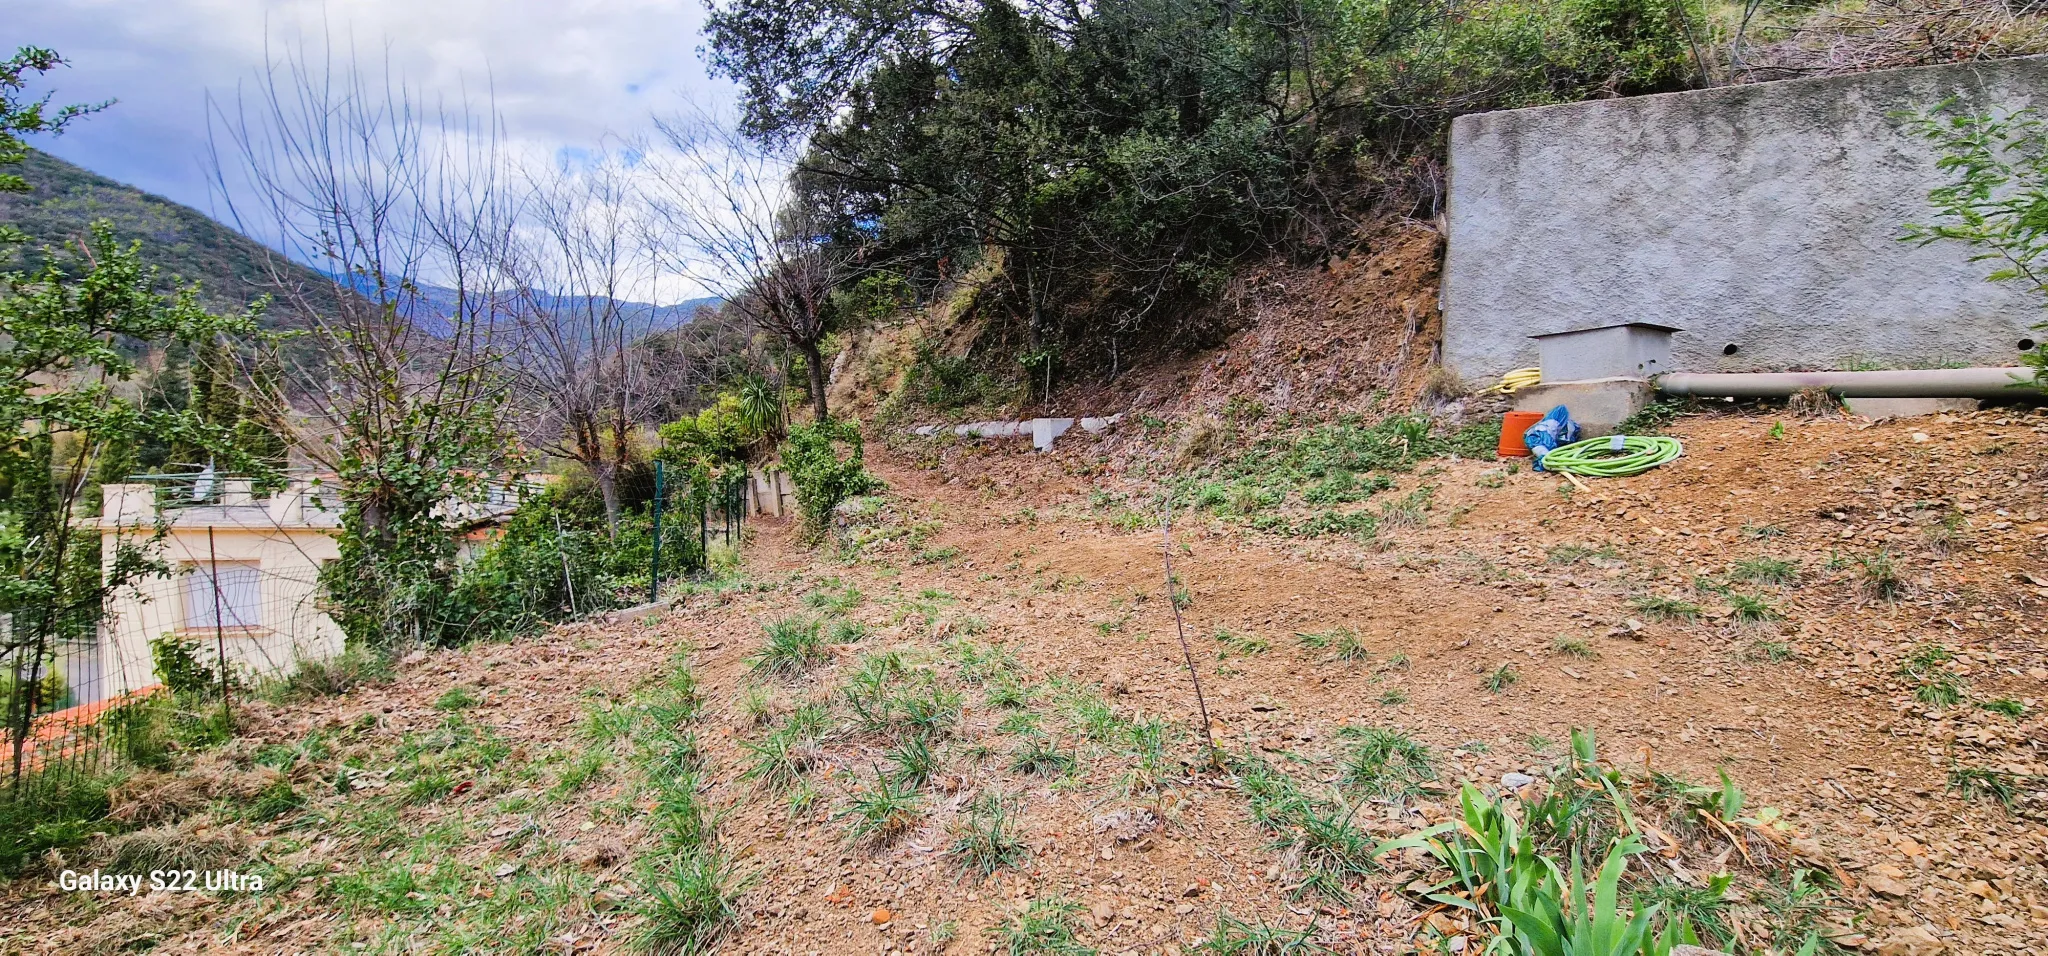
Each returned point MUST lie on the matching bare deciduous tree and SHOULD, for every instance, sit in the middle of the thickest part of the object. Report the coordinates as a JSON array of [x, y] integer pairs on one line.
[[727, 215], [584, 380], [409, 212]]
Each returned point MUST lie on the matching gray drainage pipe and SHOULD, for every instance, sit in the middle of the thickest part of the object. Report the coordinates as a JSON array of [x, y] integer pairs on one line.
[[1915, 383]]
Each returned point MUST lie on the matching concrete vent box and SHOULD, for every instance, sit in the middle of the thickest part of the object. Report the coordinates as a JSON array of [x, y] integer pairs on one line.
[[1627, 350]]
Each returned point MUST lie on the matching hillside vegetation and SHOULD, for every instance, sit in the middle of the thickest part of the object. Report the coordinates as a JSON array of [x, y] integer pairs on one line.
[[65, 200]]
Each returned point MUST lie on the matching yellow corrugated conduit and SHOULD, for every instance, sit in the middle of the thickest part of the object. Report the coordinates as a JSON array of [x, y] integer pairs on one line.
[[1517, 380]]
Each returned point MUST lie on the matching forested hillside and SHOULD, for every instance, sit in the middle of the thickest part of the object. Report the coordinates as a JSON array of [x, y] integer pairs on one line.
[[64, 200], [1098, 176]]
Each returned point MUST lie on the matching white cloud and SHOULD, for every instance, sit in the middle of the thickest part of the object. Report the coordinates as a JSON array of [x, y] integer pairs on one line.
[[567, 76]]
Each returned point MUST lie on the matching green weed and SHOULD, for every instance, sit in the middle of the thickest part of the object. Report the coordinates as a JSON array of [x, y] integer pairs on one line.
[[1045, 927], [794, 646], [1766, 570], [1386, 762], [985, 839], [1660, 608]]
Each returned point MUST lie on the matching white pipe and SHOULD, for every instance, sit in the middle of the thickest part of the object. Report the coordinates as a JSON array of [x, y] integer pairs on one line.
[[1914, 383]]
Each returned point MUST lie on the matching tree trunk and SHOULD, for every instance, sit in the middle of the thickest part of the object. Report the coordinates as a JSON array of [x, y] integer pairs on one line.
[[607, 475], [815, 364]]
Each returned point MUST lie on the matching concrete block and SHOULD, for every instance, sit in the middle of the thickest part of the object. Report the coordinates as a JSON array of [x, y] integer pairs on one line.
[[1045, 430], [1626, 350], [1881, 408], [1598, 405]]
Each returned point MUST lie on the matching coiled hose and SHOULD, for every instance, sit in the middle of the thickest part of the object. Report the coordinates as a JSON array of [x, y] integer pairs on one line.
[[1517, 380], [1616, 456]]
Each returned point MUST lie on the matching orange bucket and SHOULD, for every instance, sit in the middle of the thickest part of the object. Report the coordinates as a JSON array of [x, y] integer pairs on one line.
[[1511, 428]]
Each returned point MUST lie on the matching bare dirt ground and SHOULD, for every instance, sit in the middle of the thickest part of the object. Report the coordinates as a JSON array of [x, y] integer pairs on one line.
[[1798, 679]]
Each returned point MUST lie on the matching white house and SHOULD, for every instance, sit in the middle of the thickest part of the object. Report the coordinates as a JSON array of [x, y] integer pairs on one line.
[[245, 579]]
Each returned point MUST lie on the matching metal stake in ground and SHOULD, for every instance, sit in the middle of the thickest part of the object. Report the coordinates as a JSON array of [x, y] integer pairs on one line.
[[220, 644], [654, 567], [561, 551], [1180, 627]]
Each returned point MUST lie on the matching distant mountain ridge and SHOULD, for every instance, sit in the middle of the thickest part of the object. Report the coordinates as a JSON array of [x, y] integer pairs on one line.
[[232, 269], [642, 318]]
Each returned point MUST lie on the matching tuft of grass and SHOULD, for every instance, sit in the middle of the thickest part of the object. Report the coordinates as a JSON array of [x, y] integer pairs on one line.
[[1393, 697], [457, 697], [1942, 689], [833, 597], [757, 706], [1316, 832], [913, 762], [880, 812], [1937, 687], [780, 759], [1041, 756], [985, 839], [274, 801], [794, 646], [1343, 640], [1776, 652], [1235, 937], [355, 667], [1574, 553], [2004, 707], [1766, 571], [1386, 762], [843, 631], [1007, 693], [1977, 783], [1499, 679], [926, 709], [1925, 659], [1045, 927], [1408, 512], [1948, 535], [688, 902], [1704, 907], [1748, 609], [580, 773], [1243, 645], [429, 786], [1881, 576], [1334, 849], [1574, 647]]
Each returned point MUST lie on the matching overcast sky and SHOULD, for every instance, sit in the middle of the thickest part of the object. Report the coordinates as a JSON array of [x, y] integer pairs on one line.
[[563, 73]]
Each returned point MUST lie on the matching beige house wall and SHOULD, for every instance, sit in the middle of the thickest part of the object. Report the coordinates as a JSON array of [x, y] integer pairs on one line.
[[286, 540]]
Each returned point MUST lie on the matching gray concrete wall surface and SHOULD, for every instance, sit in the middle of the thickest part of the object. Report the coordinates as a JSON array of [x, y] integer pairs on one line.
[[1764, 216]]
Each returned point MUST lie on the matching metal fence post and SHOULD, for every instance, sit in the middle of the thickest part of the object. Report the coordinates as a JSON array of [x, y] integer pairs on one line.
[[654, 572], [220, 646]]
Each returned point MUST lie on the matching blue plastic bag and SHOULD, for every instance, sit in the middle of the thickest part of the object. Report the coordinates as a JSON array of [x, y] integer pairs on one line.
[[1551, 431]]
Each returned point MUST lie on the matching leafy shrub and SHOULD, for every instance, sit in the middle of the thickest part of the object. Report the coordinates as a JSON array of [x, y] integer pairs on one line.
[[186, 668], [1996, 201], [824, 475]]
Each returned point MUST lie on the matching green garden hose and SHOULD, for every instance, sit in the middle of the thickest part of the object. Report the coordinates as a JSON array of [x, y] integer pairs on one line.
[[1616, 456]]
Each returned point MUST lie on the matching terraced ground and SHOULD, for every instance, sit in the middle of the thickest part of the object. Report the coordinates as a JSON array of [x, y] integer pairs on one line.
[[968, 723]]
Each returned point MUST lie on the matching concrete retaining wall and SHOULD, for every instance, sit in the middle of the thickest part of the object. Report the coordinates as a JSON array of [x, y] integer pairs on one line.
[[1764, 217]]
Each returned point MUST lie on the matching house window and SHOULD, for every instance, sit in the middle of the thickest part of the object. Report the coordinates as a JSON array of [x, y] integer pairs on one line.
[[231, 586]]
